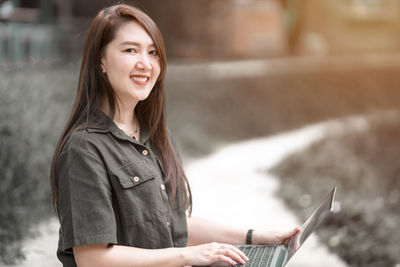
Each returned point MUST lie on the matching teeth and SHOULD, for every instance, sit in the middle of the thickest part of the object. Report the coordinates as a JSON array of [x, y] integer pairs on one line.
[[140, 79]]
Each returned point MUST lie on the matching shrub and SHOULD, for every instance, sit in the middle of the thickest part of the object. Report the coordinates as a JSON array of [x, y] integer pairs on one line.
[[364, 166], [35, 102]]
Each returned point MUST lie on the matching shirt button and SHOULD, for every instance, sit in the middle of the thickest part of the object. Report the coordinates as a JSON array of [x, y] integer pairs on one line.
[[145, 152], [162, 187], [136, 179]]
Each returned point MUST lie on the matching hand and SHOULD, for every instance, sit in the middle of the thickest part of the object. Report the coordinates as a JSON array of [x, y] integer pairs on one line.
[[214, 252], [295, 243], [261, 237]]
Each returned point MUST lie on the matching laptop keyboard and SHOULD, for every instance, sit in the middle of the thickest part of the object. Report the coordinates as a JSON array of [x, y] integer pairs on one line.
[[259, 256]]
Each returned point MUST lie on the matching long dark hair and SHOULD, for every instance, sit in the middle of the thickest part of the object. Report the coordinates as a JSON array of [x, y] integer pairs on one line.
[[94, 88]]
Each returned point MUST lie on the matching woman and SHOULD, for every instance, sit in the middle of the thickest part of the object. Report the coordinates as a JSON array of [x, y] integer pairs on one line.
[[121, 194]]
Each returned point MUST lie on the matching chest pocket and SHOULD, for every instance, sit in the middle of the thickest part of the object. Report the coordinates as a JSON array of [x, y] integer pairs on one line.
[[137, 188], [128, 176]]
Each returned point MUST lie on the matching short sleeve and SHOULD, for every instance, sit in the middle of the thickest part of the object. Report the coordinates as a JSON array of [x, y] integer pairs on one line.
[[85, 195]]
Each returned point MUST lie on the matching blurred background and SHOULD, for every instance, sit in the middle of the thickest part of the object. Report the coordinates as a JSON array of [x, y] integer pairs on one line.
[[239, 69]]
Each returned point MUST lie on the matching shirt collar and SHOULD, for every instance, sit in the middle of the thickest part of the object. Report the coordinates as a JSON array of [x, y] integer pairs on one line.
[[100, 122]]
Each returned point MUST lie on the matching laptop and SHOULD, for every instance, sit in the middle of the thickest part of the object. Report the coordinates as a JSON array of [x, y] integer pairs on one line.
[[279, 255]]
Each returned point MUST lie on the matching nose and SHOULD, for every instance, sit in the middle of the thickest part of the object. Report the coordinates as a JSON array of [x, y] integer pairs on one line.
[[144, 63]]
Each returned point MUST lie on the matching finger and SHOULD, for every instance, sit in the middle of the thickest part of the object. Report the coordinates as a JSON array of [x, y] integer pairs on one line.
[[286, 242], [237, 251], [291, 233], [241, 253], [226, 259], [296, 230], [233, 254]]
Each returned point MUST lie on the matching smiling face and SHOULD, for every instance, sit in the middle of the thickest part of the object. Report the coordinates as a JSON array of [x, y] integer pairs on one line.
[[131, 63]]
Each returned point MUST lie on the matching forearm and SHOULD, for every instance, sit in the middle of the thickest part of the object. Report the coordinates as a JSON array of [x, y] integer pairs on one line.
[[123, 256], [202, 231]]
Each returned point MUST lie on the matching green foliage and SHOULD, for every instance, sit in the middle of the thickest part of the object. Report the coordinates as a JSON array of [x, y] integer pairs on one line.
[[34, 104]]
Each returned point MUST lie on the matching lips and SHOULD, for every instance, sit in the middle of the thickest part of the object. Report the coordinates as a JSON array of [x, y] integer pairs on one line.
[[140, 79]]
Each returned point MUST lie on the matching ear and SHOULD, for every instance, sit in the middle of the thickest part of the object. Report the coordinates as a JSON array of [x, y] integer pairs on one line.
[[102, 64]]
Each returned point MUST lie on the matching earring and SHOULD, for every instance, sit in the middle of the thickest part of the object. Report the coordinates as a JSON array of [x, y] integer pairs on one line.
[[102, 68]]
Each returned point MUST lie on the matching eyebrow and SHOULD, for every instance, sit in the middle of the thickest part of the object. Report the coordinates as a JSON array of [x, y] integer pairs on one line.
[[135, 43]]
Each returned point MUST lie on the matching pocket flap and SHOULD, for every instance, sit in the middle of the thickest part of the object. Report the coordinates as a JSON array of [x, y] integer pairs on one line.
[[132, 175]]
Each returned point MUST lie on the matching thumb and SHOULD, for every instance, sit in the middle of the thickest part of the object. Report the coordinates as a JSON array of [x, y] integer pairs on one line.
[[295, 231], [292, 233]]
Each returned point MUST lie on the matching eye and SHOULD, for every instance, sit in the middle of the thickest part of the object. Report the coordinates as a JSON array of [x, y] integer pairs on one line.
[[153, 53], [130, 50]]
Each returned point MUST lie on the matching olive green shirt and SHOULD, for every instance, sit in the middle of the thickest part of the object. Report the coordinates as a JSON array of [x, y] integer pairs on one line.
[[111, 190]]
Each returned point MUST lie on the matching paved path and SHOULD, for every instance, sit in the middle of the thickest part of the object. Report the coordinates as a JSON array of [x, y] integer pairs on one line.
[[231, 186], [41, 251]]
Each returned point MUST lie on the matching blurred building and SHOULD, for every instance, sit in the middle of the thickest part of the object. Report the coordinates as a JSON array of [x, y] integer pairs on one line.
[[343, 26], [220, 29], [210, 29], [26, 31]]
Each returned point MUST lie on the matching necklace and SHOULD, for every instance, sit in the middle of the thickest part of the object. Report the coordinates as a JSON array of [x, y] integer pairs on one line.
[[133, 134]]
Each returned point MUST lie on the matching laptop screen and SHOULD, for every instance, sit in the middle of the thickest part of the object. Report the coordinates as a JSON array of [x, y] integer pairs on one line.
[[312, 223]]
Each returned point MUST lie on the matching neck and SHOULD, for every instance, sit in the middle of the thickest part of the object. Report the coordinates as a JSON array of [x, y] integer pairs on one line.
[[125, 115], [125, 119]]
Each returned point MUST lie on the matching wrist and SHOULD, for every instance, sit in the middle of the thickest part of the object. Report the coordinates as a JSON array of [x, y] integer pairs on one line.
[[184, 256], [249, 237]]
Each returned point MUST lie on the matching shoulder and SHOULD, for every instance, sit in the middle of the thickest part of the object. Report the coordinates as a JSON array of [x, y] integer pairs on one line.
[[80, 156], [80, 144], [83, 140]]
